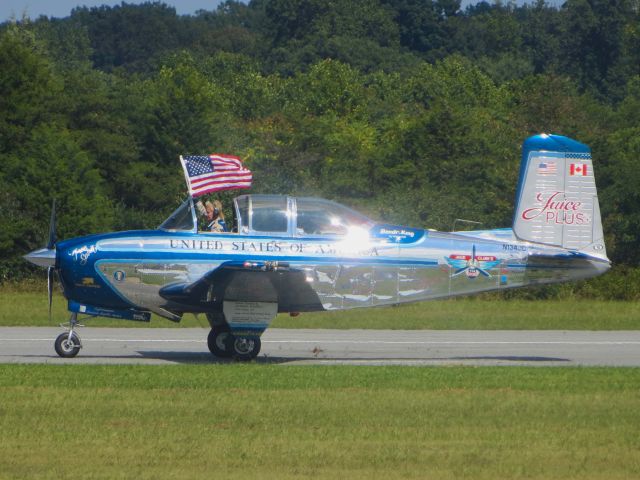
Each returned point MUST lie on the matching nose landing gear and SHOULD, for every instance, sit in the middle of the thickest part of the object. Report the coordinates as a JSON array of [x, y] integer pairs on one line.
[[68, 344]]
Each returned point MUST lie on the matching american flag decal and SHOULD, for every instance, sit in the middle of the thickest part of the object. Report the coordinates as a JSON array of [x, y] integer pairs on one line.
[[546, 167], [213, 173]]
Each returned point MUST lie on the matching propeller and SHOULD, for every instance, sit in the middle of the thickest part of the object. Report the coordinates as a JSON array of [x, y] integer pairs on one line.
[[46, 257], [52, 227], [50, 271], [50, 246]]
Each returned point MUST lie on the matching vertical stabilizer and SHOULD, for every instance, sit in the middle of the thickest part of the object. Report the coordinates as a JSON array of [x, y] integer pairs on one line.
[[556, 200]]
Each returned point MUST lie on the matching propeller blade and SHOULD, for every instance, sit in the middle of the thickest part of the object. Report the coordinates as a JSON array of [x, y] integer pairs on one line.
[[52, 227], [50, 271]]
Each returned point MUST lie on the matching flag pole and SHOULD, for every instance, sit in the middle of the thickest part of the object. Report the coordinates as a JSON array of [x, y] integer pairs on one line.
[[186, 176]]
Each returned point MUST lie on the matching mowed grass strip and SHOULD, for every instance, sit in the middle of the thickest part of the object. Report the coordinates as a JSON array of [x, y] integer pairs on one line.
[[30, 309], [280, 422], [479, 314]]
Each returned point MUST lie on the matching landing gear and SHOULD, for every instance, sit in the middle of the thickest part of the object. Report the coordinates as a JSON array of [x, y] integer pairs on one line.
[[244, 347], [67, 345], [223, 344], [217, 341]]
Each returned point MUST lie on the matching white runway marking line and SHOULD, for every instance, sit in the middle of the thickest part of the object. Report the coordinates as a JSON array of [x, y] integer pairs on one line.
[[356, 342]]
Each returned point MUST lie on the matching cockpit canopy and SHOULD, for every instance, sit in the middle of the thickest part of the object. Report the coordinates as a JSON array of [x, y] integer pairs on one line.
[[182, 219], [279, 215]]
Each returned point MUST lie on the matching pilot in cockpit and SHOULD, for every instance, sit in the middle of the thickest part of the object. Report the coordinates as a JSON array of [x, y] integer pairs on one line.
[[213, 216]]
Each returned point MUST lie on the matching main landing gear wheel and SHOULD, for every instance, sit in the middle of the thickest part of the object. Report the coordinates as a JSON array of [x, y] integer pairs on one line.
[[244, 347], [217, 341], [67, 344]]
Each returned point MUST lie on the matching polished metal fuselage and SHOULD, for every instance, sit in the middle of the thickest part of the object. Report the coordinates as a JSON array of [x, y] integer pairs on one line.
[[128, 269]]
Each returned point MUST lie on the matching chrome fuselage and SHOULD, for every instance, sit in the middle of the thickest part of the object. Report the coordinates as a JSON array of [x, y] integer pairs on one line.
[[389, 265]]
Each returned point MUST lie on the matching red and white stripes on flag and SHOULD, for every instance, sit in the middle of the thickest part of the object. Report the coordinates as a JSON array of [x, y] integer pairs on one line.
[[213, 173]]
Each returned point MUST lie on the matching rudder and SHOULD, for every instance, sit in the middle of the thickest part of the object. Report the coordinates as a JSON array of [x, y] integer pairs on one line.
[[556, 201]]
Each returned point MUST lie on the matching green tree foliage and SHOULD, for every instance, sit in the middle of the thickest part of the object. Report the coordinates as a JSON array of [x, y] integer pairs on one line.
[[130, 35], [39, 157], [593, 46]]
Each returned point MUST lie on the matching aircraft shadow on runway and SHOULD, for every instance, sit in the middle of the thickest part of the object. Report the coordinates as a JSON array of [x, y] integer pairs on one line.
[[206, 358]]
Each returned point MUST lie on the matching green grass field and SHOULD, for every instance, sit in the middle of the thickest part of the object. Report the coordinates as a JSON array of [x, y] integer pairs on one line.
[[276, 422], [30, 309]]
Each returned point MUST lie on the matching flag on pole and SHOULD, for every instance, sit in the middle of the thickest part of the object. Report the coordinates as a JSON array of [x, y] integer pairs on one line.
[[215, 172]]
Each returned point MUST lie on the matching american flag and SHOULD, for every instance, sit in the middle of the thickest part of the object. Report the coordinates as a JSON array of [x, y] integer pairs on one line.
[[215, 172], [547, 168]]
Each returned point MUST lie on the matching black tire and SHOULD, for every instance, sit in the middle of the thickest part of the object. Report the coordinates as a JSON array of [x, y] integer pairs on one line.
[[217, 341], [67, 347], [244, 347]]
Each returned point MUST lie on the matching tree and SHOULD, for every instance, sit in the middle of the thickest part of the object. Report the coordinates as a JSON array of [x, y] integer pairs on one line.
[[130, 35], [592, 40]]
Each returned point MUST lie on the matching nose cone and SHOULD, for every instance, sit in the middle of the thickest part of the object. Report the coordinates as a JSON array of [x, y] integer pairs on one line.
[[43, 257]]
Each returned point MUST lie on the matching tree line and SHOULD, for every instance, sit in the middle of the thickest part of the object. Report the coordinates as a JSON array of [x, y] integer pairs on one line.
[[411, 111]]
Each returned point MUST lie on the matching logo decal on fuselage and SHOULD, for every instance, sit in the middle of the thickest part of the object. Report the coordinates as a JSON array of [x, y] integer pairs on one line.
[[472, 265], [83, 253]]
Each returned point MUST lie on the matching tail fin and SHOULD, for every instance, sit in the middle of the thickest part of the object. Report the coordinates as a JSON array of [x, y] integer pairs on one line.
[[556, 200]]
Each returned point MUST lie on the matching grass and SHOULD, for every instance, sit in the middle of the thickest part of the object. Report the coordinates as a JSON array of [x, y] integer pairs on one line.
[[29, 308], [472, 314], [276, 422]]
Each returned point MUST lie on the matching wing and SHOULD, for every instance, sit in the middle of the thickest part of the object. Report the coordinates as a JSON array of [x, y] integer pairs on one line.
[[273, 282]]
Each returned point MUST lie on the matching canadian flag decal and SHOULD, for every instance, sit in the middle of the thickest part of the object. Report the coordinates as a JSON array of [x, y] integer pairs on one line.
[[578, 169]]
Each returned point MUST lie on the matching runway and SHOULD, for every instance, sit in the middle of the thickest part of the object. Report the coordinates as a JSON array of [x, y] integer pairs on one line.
[[333, 347]]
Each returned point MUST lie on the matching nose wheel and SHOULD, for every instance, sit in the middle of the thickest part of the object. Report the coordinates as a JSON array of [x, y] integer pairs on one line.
[[68, 344]]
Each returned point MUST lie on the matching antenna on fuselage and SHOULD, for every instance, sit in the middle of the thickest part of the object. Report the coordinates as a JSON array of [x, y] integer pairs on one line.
[[462, 220]]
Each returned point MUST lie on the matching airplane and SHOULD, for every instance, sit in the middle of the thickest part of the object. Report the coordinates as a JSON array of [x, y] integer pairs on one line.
[[305, 254]]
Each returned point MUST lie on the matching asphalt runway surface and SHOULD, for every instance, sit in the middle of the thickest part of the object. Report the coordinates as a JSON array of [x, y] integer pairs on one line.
[[332, 347]]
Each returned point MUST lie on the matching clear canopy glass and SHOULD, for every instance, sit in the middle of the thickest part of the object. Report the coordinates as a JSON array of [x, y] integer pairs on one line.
[[316, 216], [182, 219], [279, 215], [289, 216]]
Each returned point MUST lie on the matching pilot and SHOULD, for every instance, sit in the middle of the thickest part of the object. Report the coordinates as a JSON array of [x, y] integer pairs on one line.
[[214, 216]]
